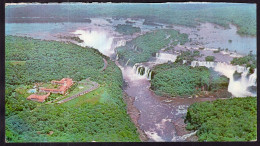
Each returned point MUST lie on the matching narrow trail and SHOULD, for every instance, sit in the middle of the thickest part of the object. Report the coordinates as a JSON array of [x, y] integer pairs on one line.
[[105, 64], [94, 87]]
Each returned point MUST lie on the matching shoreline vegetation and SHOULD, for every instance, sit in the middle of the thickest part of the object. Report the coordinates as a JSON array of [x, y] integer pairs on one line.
[[97, 116]]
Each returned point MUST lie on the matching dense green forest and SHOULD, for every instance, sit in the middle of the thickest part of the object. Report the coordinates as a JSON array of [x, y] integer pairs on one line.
[[97, 116], [224, 120], [248, 61], [142, 48], [191, 14], [182, 80], [127, 29]]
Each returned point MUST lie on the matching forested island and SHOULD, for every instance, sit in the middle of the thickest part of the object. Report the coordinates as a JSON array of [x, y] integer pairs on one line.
[[142, 48], [127, 29], [181, 80]]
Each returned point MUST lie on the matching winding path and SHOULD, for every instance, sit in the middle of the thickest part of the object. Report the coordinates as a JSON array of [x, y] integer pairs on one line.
[[105, 64], [95, 86]]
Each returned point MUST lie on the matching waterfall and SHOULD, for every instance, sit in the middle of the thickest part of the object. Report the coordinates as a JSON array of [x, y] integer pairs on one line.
[[241, 69], [238, 88], [242, 87], [121, 43], [149, 74], [202, 63], [252, 78], [127, 62], [165, 57], [117, 57], [161, 58], [143, 71], [135, 47]]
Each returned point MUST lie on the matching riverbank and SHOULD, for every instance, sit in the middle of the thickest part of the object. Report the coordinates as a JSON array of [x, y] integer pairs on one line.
[[134, 114]]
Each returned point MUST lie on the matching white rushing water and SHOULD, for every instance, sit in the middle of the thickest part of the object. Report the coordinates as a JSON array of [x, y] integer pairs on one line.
[[238, 88], [165, 57], [203, 63], [100, 40], [160, 59], [142, 71], [184, 137]]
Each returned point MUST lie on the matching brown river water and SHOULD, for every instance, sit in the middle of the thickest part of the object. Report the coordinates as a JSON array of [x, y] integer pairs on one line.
[[158, 115]]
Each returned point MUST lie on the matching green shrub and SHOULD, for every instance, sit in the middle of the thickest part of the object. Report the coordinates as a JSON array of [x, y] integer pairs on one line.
[[210, 58], [127, 29]]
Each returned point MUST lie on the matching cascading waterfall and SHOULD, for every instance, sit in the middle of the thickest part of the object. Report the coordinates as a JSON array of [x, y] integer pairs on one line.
[[184, 137], [252, 79], [143, 71], [160, 59], [203, 63], [121, 43], [238, 88], [135, 48], [127, 62], [165, 57]]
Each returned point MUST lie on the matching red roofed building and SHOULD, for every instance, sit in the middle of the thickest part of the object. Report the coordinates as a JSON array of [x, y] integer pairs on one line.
[[65, 83], [39, 98]]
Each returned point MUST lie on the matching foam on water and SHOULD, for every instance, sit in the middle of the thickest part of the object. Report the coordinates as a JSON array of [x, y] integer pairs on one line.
[[182, 109], [154, 136], [184, 137]]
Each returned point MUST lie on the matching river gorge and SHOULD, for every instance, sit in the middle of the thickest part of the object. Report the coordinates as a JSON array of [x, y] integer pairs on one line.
[[160, 118]]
